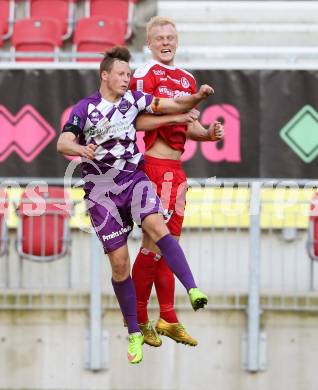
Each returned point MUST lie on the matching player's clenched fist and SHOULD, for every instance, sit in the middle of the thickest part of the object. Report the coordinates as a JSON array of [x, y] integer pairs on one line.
[[88, 151], [191, 116], [205, 91], [216, 131]]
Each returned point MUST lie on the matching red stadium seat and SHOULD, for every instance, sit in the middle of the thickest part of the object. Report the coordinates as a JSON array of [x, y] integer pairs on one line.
[[2, 27], [60, 10], [312, 242], [3, 224], [7, 14], [97, 34], [114, 9], [33, 35], [43, 229]]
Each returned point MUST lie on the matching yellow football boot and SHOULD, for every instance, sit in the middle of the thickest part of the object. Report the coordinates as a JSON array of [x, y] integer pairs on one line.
[[176, 332], [134, 352], [197, 298], [150, 335]]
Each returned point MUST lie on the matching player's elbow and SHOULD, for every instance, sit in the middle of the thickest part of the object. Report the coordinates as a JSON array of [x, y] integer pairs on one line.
[[60, 146]]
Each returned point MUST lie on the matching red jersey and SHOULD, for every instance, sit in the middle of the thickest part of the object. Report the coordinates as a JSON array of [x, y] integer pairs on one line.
[[167, 82]]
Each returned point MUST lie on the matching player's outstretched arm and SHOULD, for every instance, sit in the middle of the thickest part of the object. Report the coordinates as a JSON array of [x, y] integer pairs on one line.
[[181, 103], [66, 144], [196, 132], [148, 122]]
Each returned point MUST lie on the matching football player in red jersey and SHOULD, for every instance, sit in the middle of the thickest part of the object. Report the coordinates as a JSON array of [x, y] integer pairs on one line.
[[164, 147], [101, 129]]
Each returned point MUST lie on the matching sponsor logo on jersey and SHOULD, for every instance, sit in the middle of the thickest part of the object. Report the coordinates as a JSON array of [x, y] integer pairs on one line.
[[184, 82], [181, 93], [75, 120], [99, 129], [140, 85], [174, 80], [166, 91], [118, 128], [120, 232], [159, 72], [105, 128]]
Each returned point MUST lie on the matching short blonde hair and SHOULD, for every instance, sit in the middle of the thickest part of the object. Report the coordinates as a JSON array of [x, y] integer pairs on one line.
[[159, 21]]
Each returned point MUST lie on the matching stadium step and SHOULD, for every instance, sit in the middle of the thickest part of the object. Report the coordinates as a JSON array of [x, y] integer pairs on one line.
[[244, 23]]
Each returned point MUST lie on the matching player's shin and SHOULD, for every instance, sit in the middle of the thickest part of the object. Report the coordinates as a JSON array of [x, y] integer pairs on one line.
[[143, 274], [177, 262], [126, 296]]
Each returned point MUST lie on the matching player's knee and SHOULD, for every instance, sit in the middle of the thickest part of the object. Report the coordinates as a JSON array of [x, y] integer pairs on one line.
[[155, 227], [120, 272], [149, 244], [120, 268]]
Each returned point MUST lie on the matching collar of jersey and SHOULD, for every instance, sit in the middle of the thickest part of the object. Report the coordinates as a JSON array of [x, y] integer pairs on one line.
[[107, 101], [163, 65]]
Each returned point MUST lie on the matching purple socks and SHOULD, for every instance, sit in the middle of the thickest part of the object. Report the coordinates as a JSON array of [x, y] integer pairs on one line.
[[125, 290], [176, 261], [126, 296]]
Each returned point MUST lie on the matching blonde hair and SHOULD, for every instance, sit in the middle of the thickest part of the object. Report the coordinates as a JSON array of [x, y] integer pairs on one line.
[[159, 21]]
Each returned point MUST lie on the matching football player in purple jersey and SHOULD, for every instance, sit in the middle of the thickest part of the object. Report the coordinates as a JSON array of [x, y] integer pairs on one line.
[[102, 130]]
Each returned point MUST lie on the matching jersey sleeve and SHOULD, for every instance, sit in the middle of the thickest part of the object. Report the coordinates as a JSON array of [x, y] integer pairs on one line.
[[77, 119], [143, 101], [193, 86], [143, 82]]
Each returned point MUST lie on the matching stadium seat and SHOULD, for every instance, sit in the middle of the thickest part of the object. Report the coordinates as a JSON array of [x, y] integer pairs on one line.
[[7, 14], [61, 10], [1, 33], [312, 241], [114, 9], [43, 228], [34, 35], [3, 224], [97, 34]]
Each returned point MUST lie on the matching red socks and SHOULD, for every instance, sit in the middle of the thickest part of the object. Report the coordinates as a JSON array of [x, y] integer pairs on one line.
[[143, 275], [147, 271], [165, 286]]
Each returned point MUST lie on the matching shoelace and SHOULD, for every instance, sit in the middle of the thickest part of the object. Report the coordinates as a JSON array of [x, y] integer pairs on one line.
[[181, 327], [133, 339], [149, 326]]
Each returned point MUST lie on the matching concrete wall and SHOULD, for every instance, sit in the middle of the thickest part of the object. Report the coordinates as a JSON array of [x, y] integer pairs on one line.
[[43, 346], [45, 350]]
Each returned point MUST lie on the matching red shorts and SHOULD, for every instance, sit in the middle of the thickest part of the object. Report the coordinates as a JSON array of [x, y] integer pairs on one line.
[[170, 182]]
